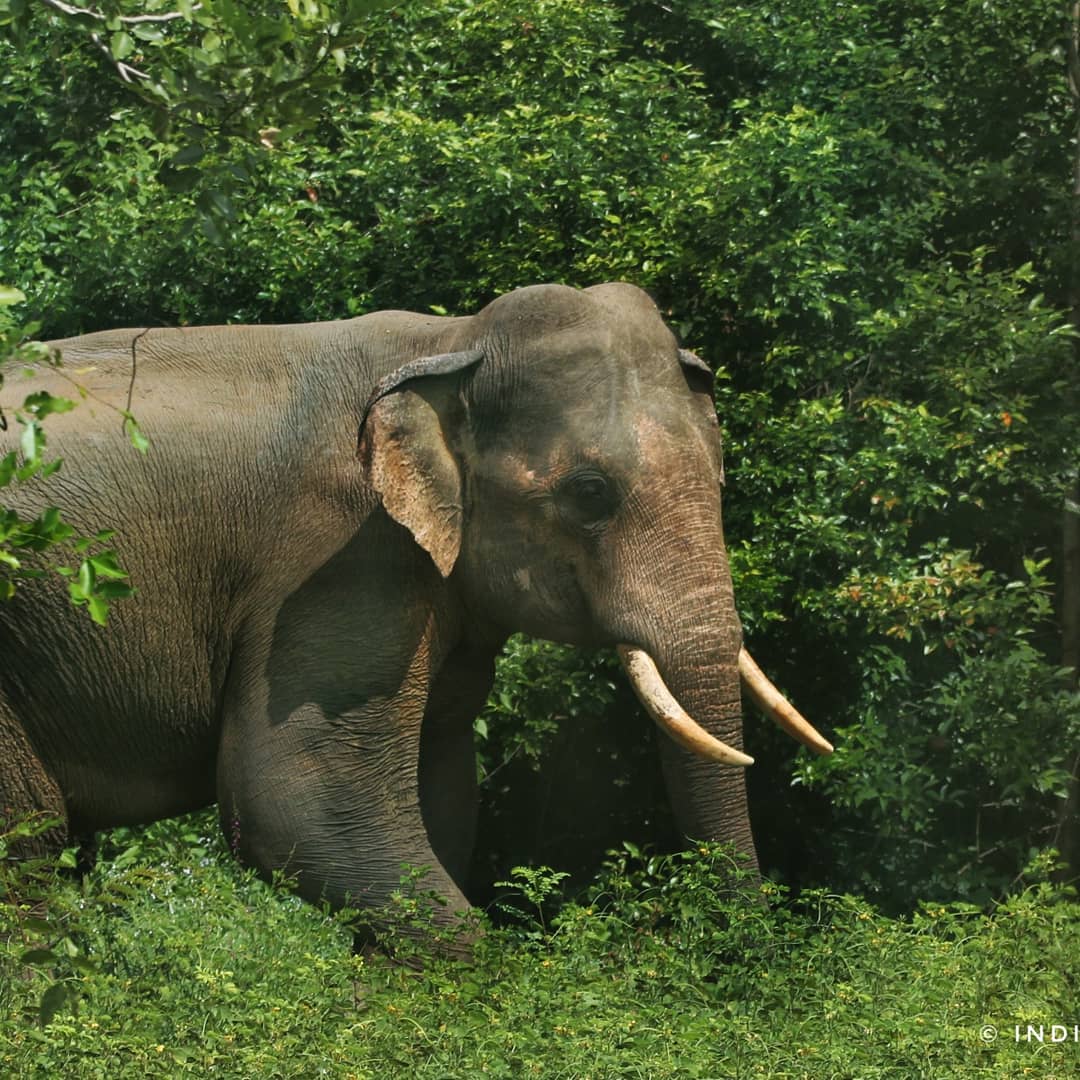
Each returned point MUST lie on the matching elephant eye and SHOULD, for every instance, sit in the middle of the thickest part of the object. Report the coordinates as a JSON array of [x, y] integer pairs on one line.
[[587, 498]]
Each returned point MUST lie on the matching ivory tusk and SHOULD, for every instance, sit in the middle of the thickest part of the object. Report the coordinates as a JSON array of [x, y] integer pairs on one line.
[[778, 708], [669, 715]]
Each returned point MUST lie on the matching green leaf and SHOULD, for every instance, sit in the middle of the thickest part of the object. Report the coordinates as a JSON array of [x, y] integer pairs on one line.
[[37, 925], [31, 442], [9, 296], [105, 566], [52, 1001], [99, 609], [39, 956], [216, 203], [148, 32], [31, 468], [189, 155], [179, 180], [114, 590], [210, 229], [121, 45], [8, 464], [138, 440], [43, 404]]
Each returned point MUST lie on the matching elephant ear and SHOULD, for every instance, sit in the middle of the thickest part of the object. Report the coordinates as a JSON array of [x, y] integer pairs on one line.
[[696, 368], [701, 378], [403, 447]]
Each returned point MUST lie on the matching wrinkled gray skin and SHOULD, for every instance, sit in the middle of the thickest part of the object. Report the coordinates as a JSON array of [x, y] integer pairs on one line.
[[315, 624]]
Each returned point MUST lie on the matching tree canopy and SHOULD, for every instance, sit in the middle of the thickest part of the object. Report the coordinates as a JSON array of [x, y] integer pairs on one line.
[[863, 216]]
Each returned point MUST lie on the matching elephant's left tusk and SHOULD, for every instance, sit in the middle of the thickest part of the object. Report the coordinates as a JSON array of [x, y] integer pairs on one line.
[[669, 715], [778, 708]]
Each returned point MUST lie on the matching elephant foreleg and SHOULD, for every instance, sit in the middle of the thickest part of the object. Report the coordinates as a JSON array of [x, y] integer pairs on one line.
[[448, 789], [333, 802]]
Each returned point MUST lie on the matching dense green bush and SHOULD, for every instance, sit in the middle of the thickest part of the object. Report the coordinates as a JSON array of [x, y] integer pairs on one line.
[[175, 963], [859, 214]]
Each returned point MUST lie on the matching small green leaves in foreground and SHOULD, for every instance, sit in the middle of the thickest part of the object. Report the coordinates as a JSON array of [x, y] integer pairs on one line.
[[181, 964], [537, 884], [40, 936], [97, 579]]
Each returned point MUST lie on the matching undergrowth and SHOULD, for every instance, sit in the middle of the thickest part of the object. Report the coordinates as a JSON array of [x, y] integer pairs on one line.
[[167, 960]]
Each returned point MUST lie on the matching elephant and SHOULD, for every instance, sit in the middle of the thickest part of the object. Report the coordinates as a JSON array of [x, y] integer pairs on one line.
[[333, 533]]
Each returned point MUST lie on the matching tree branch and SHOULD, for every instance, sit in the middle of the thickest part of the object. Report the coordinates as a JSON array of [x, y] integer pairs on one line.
[[127, 20], [1073, 58], [126, 72]]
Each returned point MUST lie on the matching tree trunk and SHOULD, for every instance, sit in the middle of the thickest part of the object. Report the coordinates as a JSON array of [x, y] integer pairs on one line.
[[1068, 826], [1067, 833]]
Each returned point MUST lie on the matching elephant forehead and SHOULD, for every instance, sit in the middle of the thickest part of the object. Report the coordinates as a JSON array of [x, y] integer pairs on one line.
[[589, 356], [614, 312], [671, 438], [538, 309]]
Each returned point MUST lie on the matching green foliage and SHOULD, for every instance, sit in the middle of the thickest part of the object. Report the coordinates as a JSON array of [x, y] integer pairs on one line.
[[538, 885], [567, 764], [97, 580], [210, 76], [665, 968], [540, 686], [40, 939], [860, 214]]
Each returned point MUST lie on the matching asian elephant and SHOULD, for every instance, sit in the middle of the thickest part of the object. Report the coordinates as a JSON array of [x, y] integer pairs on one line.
[[336, 527]]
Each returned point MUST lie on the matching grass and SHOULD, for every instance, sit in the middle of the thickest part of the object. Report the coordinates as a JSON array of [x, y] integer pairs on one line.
[[170, 961]]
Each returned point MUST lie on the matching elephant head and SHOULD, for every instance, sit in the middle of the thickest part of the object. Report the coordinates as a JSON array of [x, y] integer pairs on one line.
[[561, 463]]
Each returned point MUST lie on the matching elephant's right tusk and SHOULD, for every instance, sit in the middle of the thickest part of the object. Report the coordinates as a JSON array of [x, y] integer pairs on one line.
[[669, 715], [778, 708]]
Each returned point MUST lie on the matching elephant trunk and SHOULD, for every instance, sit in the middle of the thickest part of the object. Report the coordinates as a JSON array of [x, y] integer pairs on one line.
[[707, 805], [708, 798], [681, 645]]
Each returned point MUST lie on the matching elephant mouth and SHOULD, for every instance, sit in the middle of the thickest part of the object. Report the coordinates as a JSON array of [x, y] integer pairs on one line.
[[661, 704]]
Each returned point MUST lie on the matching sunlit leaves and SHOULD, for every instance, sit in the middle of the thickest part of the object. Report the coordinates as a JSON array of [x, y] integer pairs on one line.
[[857, 212], [29, 544], [220, 70], [97, 581]]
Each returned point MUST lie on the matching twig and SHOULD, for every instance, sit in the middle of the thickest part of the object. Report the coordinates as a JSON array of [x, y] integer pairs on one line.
[[127, 20], [131, 385], [125, 71]]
